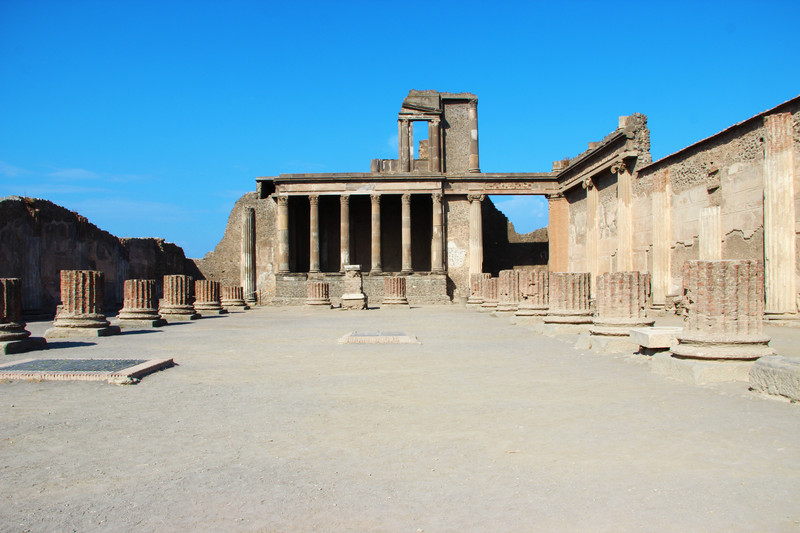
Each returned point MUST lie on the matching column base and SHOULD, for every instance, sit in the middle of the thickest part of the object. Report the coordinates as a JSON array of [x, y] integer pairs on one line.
[[66, 332], [782, 319], [700, 372], [776, 375], [133, 323], [22, 345], [355, 302]]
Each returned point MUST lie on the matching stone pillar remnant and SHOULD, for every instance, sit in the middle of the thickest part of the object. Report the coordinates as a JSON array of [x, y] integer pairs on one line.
[[406, 233], [434, 143], [569, 299], [394, 291], [624, 217], [437, 241], [724, 330], [475, 233], [622, 301], [558, 233], [377, 268], [592, 230], [662, 237], [318, 294], [508, 292], [283, 234], [476, 282], [176, 306], [474, 162], [710, 238], [232, 299], [14, 338], [489, 286], [344, 230], [313, 249], [353, 297], [140, 305], [81, 311], [534, 289], [248, 266], [206, 298], [403, 134]]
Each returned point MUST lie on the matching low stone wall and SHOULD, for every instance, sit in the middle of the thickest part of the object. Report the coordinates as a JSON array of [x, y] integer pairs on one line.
[[422, 289]]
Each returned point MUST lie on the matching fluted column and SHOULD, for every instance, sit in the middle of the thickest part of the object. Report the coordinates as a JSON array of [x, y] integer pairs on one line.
[[344, 230], [710, 238], [434, 141], [508, 293], [140, 305], [624, 217], [534, 287], [622, 300], [81, 309], [206, 298], [283, 234], [662, 237], [394, 291], [437, 236], [176, 306], [474, 163], [779, 217], [406, 233], [490, 294], [592, 230], [476, 282], [248, 266], [14, 338], [313, 249], [569, 298], [403, 133], [232, 298], [475, 233], [375, 200], [318, 294]]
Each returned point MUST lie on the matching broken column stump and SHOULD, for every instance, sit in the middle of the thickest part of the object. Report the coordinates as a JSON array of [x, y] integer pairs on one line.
[[476, 290], [206, 298], [14, 338], [622, 300], [394, 292], [176, 306], [724, 331], [81, 311], [534, 288], [353, 296], [140, 305], [569, 310], [489, 293], [318, 294], [508, 293], [232, 299]]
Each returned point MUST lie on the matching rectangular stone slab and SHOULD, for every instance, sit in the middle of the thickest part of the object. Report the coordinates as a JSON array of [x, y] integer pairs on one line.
[[655, 337], [118, 371]]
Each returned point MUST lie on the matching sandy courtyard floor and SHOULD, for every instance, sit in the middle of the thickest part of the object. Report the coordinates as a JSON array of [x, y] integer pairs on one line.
[[268, 424]]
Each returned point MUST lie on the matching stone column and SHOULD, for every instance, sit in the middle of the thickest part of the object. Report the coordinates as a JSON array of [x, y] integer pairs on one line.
[[569, 300], [248, 266], [31, 273], [176, 306], [474, 163], [489, 286], [353, 297], [710, 238], [376, 234], [475, 233], [434, 143], [558, 233], [14, 338], [313, 247], [403, 127], [437, 236], [394, 292], [592, 230], [140, 306], [232, 299], [622, 300], [476, 282], [662, 237], [206, 298], [406, 233], [344, 230], [534, 287], [779, 218], [624, 217], [724, 332], [318, 294], [508, 293], [81, 311], [283, 234]]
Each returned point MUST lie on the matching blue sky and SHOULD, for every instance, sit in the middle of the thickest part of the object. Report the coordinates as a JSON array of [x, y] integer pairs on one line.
[[152, 118]]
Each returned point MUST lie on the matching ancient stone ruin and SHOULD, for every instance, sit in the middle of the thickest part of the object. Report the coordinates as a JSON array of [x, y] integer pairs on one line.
[[14, 338], [81, 311], [176, 306], [140, 307]]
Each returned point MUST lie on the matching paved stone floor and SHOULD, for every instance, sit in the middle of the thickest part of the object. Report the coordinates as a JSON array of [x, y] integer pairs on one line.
[[269, 424]]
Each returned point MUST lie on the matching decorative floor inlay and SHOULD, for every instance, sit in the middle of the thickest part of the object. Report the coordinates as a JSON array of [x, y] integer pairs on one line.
[[378, 337], [119, 371]]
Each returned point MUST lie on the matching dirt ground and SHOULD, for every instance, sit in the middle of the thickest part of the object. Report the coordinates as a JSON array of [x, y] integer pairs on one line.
[[267, 424]]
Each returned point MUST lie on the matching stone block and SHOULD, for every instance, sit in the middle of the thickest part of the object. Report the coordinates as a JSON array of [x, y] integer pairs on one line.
[[22, 345], [776, 375], [700, 372], [656, 338]]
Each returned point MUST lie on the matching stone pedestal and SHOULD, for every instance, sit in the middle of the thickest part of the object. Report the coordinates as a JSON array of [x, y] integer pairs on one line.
[[394, 292], [14, 338], [81, 311], [622, 300], [206, 298], [176, 306], [318, 294], [476, 282], [140, 307], [569, 303], [489, 294], [232, 299], [353, 297], [508, 293], [534, 288], [724, 330]]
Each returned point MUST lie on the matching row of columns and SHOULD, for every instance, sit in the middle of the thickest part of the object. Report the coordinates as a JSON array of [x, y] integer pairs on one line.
[[405, 135], [437, 251]]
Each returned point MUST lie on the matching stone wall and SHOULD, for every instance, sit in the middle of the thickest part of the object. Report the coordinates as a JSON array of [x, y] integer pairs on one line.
[[38, 239]]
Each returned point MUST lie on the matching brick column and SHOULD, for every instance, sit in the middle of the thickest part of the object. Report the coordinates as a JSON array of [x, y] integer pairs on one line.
[[344, 230], [176, 306], [14, 338], [534, 287], [283, 234], [394, 292], [81, 309], [558, 233], [437, 236], [406, 233], [489, 294], [248, 266], [474, 162], [313, 222], [232, 299], [569, 298], [206, 298], [476, 282], [140, 305], [622, 300], [508, 292], [375, 200], [318, 294], [475, 233]]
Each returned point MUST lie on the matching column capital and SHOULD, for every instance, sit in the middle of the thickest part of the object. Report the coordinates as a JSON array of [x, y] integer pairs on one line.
[[282, 200], [556, 196], [406, 198], [437, 197], [619, 167], [588, 183], [313, 199], [344, 199], [476, 197], [375, 198]]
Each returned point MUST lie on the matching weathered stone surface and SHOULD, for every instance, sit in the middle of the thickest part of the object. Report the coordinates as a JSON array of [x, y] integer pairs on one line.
[[81, 311], [698, 371], [232, 298], [394, 292], [655, 338], [318, 294], [353, 297], [489, 290], [569, 298], [140, 307], [14, 338], [176, 306], [508, 292], [622, 300], [776, 375], [476, 289], [534, 288], [206, 298]]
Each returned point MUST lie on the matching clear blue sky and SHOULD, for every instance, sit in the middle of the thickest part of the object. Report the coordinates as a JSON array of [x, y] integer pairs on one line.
[[152, 118]]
